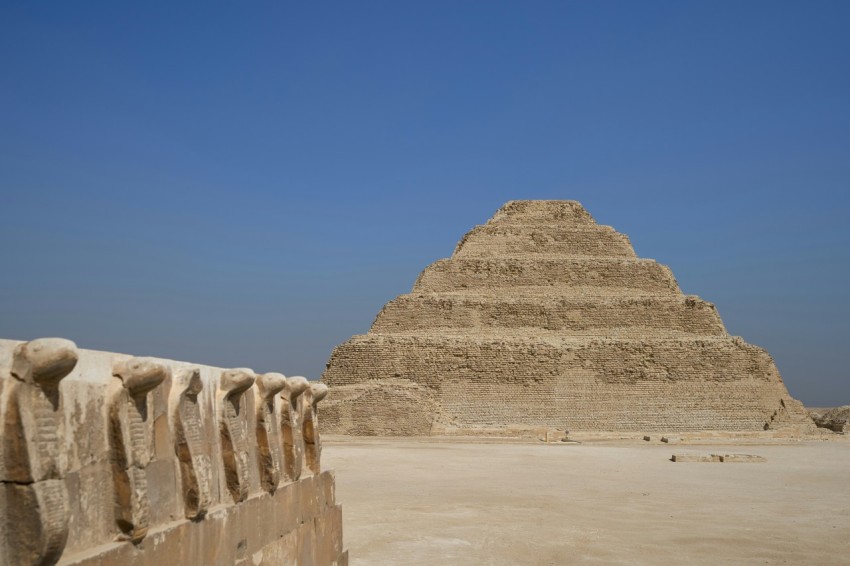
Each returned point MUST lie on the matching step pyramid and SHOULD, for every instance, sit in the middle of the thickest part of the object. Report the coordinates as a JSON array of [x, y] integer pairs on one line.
[[544, 318]]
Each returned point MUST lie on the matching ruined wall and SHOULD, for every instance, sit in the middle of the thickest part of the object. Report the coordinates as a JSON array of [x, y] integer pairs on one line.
[[110, 459], [543, 318]]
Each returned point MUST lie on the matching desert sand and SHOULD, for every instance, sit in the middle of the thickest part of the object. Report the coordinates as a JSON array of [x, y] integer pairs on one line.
[[427, 501]]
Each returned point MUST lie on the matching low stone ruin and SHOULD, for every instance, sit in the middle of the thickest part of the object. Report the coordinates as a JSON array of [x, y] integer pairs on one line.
[[836, 419], [727, 458], [543, 318], [111, 459]]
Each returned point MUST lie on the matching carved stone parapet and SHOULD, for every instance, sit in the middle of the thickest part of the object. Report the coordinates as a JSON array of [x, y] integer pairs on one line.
[[189, 442], [34, 501], [233, 430], [269, 442], [130, 441], [111, 459], [290, 421], [310, 425]]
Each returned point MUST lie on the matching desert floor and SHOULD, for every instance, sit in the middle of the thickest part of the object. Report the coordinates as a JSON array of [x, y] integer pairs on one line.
[[427, 502]]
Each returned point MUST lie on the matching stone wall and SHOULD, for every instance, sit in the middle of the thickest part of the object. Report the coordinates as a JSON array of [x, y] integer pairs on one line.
[[635, 316], [110, 459], [543, 318]]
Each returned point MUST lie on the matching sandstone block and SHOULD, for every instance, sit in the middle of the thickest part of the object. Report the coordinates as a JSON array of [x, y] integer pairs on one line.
[[688, 457], [741, 458]]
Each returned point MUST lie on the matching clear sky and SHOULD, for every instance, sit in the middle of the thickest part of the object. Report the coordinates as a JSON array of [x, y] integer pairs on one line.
[[247, 183]]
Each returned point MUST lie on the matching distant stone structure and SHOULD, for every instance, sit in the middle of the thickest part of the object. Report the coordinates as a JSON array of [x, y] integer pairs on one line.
[[111, 459], [543, 318], [836, 419]]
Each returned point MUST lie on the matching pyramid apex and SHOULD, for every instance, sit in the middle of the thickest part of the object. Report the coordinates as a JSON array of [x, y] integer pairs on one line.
[[542, 212]]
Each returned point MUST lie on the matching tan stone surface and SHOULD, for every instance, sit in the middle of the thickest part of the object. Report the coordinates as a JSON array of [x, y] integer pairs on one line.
[[110, 459], [544, 239], [295, 525], [565, 316], [836, 419], [742, 458], [33, 494], [423, 502], [695, 457], [542, 318]]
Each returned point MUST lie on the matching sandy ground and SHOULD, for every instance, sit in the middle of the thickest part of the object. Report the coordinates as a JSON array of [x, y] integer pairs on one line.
[[427, 502]]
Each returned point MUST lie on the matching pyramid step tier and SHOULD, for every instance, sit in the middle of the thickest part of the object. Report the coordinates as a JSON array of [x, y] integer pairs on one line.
[[540, 212], [696, 384], [544, 240], [568, 277], [600, 316]]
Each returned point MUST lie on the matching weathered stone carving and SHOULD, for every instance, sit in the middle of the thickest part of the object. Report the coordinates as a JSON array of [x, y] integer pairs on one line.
[[130, 441], [310, 419], [33, 501], [91, 469], [233, 430], [290, 420], [269, 443], [189, 443]]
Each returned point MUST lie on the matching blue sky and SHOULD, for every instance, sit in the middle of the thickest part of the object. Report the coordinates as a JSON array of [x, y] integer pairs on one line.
[[248, 183]]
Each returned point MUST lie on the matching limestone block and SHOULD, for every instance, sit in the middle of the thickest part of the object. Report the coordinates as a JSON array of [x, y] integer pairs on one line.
[[741, 458], [232, 534], [688, 457], [550, 435], [390, 407]]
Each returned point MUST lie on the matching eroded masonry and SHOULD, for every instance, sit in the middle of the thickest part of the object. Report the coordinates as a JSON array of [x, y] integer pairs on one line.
[[111, 459], [544, 318]]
